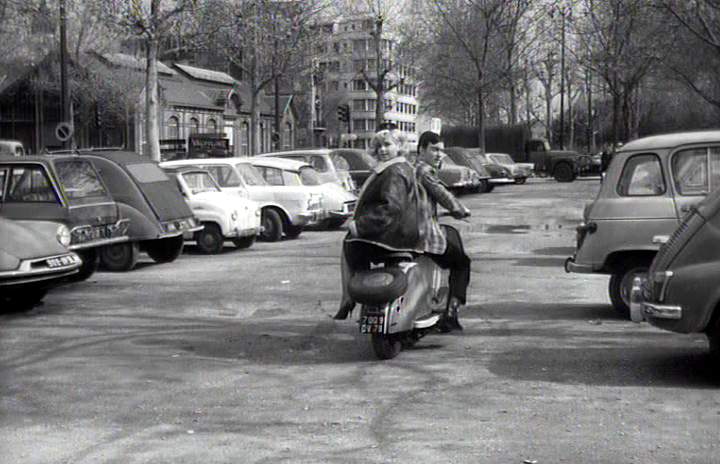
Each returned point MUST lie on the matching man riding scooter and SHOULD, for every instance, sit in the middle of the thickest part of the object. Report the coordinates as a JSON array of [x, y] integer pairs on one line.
[[396, 211]]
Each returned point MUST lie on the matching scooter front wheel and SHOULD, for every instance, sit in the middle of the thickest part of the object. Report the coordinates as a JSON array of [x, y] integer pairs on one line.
[[386, 346]]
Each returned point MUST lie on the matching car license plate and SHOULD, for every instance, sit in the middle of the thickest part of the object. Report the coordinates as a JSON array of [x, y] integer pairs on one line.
[[60, 261], [372, 323]]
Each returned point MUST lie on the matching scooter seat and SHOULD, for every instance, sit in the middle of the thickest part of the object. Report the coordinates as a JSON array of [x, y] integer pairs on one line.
[[378, 286]]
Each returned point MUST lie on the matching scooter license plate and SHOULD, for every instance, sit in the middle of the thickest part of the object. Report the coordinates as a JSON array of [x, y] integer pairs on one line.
[[372, 324]]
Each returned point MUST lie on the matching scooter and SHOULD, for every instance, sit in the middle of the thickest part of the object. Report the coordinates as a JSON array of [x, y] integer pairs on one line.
[[401, 296]]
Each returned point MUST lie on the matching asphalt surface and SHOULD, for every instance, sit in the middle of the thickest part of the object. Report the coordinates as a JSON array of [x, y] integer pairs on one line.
[[234, 358]]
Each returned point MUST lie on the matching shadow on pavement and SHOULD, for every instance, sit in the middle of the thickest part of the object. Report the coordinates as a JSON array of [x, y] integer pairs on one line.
[[661, 365], [527, 311]]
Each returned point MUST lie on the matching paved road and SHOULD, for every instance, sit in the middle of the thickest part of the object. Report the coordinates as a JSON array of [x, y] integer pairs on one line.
[[234, 358]]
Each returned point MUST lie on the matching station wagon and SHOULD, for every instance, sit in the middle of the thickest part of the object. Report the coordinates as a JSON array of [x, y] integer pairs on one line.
[[649, 186]]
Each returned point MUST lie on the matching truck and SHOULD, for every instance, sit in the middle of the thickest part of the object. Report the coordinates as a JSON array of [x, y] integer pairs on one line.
[[518, 142]]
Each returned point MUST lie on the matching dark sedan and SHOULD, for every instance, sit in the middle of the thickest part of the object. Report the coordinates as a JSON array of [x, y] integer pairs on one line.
[[358, 162]]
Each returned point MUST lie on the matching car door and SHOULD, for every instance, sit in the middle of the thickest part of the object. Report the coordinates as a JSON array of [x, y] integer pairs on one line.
[[29, 193], [695, 172]]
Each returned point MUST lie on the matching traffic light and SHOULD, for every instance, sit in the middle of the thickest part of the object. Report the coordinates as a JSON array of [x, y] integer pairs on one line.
[[344, 113]]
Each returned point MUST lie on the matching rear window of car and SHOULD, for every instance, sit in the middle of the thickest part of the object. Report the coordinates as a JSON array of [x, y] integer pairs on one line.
[[146, 173], [29, 183], [200, 182], [80, 181], [642, 176], [696, 171], [250, 174], [224, 175]]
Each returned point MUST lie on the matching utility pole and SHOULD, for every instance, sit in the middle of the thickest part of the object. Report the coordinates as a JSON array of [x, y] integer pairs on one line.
[[562, 78], [64, 89], [277, 138]]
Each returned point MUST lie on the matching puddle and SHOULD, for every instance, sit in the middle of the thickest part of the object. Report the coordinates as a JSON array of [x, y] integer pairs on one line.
[[514, 228]]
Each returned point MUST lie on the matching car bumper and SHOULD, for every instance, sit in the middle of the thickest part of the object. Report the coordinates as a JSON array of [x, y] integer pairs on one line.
[[244, 232], [38, 270], [576, 268], [641, 310], [501, 180], [309, 217]]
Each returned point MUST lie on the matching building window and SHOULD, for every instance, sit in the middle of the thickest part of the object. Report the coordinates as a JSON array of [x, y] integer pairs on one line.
[[244, 138], [359, 45], [173, 128], [335, 85], [194, 126], [358, 105], [359, 84], [358, 65], [358, 125], [288, 135], [371, 104], [211, 126]]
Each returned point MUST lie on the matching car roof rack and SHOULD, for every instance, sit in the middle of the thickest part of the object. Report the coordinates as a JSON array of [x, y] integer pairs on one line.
[[79, 151]]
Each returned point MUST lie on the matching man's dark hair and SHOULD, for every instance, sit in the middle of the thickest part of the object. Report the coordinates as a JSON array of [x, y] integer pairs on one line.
[[387, 126], [427, 138]]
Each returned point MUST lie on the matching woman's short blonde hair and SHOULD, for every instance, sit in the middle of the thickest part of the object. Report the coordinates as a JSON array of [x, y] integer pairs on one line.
[[383, 135]]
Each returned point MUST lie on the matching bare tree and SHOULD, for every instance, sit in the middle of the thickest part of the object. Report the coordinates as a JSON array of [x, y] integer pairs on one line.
[[151, 21], [627, 38], [696, 55], [265, 41]]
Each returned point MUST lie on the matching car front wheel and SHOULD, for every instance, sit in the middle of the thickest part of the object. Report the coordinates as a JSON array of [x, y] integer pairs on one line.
[[621, 284], [272, 226], [165, 250], [563, 172], [210, 240], [520, 180], [120, 257], [244, 242]]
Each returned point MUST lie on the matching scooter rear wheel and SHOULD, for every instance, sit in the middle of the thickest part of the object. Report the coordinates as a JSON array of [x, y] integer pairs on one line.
[[386, 346]]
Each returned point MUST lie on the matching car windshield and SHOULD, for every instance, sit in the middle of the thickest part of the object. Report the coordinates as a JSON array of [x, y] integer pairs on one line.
[[501, 158], [356, 160], [224, 174], [309, 176], [200, 182], [81, 182], [447, 161], [250, 174]]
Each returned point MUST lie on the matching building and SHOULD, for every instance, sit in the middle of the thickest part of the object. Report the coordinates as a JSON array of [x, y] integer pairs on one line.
[[345, 56], [208, 111]]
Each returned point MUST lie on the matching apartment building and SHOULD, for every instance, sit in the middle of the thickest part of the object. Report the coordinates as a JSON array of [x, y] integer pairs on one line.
[[345, 56]]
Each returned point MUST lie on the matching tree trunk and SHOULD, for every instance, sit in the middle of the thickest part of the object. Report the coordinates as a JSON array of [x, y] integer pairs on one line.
[[255, 143], [615, 136], [548, 112], [152, 127], [481, 118]]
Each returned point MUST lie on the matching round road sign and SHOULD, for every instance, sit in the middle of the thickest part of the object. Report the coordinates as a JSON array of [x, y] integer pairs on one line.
[[63, 131]]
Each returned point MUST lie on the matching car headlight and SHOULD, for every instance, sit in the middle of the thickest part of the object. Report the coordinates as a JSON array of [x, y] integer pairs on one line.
[[234, 216], [63, 235]]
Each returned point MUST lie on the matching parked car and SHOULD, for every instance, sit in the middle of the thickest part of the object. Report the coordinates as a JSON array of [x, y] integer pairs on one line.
[[149, 199], [285, 209], [518, 171], [680, 291], [359, 164], [462, 157], [33, 259], [65, 189], [12, 148], [649, 186], [331, 168], [224, 216], [338, 202], [458, 178], [499, 175]]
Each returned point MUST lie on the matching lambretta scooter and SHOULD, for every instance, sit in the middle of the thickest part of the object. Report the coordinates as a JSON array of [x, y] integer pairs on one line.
[[401, 296]]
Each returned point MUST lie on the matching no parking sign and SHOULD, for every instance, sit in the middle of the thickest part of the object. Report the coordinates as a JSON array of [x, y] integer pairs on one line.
[[63, 131]]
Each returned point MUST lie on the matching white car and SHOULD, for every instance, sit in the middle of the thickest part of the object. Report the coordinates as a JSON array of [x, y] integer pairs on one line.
[[224, 216], [330, 166], [338, 202], [285, 209], [518, 171]]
